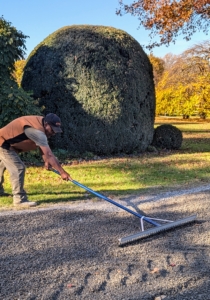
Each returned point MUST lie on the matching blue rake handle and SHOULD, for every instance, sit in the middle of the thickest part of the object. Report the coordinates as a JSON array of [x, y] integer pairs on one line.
[[111, 201]]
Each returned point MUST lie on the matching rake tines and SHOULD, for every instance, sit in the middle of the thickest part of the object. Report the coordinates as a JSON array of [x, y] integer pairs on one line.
[[154, 230]]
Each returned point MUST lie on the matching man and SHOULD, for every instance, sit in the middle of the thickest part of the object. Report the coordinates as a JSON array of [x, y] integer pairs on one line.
[[24, 134]]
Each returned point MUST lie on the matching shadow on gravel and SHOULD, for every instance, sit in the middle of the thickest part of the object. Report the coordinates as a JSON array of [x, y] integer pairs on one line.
[[62, 254]]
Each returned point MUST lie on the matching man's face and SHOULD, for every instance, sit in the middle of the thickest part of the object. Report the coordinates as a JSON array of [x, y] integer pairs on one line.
[[48, 130]]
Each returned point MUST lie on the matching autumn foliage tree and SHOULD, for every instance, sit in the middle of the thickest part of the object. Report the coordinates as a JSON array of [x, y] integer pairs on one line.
[[169, 18], [184, 88], [158, 67]]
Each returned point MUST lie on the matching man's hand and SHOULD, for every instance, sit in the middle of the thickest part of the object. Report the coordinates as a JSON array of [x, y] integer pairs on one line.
[[47, 165], [65, 176], [50, 161]]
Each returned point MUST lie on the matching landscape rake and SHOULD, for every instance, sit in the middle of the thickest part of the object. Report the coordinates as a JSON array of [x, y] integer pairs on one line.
[[161, 225]]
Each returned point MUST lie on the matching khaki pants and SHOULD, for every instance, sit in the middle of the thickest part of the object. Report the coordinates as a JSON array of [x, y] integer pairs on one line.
[[11, 161]]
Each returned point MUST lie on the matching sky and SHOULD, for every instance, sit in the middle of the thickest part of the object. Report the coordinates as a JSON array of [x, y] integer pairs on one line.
[[39, 18]]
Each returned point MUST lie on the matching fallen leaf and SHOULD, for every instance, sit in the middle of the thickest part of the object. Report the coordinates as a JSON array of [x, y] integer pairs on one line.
[[155, 270], [172, 265], [69, 285]]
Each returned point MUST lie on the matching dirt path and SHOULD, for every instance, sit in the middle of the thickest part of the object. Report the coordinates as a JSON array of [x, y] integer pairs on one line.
[[71, 251]]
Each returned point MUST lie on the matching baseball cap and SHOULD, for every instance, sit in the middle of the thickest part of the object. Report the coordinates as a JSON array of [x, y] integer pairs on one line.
[[54, 121]]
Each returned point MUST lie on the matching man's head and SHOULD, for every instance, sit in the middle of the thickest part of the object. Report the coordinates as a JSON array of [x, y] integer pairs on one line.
[[52, 124]]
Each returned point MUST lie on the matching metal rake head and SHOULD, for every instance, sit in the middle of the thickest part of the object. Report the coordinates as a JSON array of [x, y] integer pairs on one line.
[[154, 230]]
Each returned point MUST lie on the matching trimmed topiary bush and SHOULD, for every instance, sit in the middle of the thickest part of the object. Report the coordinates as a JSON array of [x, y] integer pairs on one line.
[[100, 82], [167, 136]]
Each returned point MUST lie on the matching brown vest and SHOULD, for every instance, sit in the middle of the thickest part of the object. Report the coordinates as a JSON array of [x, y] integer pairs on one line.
[[13, 133]]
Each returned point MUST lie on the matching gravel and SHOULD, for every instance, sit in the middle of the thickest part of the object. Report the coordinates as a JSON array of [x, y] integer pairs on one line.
[[71, 251]]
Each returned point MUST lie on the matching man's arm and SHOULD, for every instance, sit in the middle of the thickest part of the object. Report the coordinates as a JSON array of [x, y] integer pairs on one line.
[[51, 162]]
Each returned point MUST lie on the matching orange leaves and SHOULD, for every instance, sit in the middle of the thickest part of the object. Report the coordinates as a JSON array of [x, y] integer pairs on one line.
[[167, 17], [202, 7]]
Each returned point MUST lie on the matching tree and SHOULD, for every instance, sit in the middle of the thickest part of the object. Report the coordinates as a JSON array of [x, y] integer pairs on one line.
[[12, 46], [169, 18], [158, 67], [14, 101], [169, 59], [185, 85]]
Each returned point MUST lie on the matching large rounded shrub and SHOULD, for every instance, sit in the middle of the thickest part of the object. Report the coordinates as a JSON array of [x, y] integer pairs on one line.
[[100, 82]]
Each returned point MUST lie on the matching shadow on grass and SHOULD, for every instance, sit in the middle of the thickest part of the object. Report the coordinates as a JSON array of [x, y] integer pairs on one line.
[[158, 177], [138, 170], [187, 131], [198, 145]]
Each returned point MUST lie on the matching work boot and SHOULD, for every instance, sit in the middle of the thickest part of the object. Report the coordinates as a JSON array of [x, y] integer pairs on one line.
[[25, 203]]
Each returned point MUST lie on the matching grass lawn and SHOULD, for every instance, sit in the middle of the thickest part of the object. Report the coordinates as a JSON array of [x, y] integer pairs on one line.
[[125, 175]]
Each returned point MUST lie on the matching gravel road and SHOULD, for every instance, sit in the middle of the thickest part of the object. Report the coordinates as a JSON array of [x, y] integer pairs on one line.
[[71, 251]]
